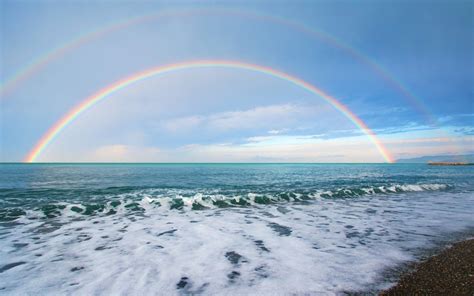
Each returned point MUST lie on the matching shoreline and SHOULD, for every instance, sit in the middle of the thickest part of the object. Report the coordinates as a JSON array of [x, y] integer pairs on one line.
[[450, 271]]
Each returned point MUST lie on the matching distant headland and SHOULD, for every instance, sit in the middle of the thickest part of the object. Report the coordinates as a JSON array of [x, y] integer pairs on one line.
[[449, 163], [466, 159]]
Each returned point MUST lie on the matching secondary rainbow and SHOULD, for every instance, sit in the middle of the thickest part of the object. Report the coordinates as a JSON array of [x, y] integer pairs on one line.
[[106, 92], [75, 43], [42, 61]]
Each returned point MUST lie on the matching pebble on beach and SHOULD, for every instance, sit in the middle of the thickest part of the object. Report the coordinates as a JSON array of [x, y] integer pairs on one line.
[[449, 273]]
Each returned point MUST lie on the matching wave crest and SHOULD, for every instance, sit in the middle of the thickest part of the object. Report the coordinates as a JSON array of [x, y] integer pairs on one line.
[[143, 200]]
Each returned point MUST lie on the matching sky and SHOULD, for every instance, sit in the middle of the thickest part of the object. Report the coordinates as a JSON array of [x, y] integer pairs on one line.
[[403, 68]]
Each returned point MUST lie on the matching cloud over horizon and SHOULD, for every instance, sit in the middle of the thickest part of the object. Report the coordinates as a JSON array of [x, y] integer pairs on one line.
[[380, 69]]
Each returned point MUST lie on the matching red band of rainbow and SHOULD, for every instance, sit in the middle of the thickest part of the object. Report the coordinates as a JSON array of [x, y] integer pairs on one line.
[[49, 136]]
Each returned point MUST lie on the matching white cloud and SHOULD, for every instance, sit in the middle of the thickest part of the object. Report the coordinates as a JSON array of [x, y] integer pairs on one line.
[[347, 150], [422, 146], [258, 117], [273, 117], [277, 132], [272, 148]]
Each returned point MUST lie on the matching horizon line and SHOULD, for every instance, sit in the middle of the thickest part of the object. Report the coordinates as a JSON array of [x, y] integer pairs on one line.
[[134, 162]]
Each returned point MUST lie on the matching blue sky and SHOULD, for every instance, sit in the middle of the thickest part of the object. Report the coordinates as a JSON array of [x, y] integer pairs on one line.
[[237, 115]]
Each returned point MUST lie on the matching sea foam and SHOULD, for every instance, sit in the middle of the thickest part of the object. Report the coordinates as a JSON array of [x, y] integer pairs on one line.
[[325, 245]]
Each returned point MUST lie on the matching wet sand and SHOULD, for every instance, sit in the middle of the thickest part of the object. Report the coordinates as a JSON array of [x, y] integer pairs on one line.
[[451, 272]]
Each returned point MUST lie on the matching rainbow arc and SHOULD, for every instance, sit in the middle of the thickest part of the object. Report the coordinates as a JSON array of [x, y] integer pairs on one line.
[[108, 91]]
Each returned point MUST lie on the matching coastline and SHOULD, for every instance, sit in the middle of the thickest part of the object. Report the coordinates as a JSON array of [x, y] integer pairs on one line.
[[244, 229], [448, 163], [448, 272]]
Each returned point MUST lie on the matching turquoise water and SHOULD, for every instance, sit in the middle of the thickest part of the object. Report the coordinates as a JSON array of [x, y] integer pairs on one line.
[[222, 228], [98, 189]]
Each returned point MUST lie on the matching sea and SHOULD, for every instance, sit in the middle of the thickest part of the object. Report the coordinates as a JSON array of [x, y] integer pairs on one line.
[[224, 229]]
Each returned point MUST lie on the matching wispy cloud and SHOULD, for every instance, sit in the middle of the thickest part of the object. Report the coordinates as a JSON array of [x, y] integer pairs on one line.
[[456, 118], [272, 116], [468, 131], [277, 131]]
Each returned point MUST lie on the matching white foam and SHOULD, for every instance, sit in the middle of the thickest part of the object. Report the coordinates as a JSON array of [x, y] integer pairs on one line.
[[334, 245]]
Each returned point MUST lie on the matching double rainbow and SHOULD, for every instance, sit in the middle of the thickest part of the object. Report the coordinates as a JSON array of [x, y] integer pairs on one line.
[[42, 61], [106, 92]]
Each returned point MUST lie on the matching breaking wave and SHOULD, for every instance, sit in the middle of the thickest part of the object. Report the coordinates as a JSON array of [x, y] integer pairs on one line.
[[119, 201]]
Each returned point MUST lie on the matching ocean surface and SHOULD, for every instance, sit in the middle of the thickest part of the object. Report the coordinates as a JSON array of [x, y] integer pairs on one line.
[[227, 229]]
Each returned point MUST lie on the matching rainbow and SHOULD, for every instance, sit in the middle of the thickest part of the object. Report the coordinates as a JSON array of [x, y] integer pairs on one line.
[[90, 101], [42, 61], [60, 51], [57, 52]]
